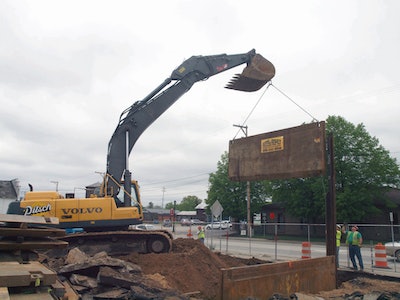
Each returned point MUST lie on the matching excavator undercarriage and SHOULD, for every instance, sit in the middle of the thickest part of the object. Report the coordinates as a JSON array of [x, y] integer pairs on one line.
[[119, 242]]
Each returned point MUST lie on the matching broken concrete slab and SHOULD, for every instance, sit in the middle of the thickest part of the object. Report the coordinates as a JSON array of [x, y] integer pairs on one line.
[[95, 263], [76, 256], [83, 280], [111, 277], [113, 294]]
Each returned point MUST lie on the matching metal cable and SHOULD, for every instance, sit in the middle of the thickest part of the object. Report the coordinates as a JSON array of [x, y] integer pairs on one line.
[[271, 84], [313, 118], [248, 116]]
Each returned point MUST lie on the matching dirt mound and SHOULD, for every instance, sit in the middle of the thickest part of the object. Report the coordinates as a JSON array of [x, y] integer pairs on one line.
[[190, 267]]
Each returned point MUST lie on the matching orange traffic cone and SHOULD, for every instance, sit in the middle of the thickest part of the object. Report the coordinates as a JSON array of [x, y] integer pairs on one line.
[[306, 250], [380, 256], [189, 234]]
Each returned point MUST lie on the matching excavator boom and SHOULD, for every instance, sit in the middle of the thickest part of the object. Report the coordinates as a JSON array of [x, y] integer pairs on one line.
[[135, 119]]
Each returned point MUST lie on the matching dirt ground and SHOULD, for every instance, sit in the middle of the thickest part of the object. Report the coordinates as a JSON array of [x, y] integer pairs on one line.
[[192, 268]]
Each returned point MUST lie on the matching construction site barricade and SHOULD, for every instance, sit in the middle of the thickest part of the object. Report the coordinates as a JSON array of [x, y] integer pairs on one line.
[[305, 250], [380, 256]]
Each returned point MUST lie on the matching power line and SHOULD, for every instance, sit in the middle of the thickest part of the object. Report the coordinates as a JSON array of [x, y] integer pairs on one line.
[[177, 179]]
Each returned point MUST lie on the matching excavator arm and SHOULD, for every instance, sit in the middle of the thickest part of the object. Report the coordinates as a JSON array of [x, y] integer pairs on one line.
[[136, 118]]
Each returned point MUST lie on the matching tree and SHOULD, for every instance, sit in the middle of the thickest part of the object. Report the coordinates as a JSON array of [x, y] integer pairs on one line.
[[364, 172], [188, 203], [233, 195], [303, 197]]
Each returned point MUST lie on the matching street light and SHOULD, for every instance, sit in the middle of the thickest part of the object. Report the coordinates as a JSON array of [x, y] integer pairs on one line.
[[56, 183]]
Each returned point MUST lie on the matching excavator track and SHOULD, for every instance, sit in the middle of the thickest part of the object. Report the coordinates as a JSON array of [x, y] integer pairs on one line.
[[119, 242]]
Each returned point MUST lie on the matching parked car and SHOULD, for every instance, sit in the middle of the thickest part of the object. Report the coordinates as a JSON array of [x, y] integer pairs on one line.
[[393, 249], [197, 222], [145, 227], [167, 223], [185, 222], [219, 225]]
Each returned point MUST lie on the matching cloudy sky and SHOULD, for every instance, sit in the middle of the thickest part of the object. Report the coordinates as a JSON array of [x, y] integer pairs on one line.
[[69, 68]]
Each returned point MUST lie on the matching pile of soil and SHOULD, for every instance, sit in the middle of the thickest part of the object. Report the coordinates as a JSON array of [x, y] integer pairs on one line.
[[190, 267]]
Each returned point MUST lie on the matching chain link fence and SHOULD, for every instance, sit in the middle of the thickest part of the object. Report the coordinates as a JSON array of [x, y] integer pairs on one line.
[[283, 241]]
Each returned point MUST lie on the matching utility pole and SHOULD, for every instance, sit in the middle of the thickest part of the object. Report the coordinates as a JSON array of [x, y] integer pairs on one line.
[[331, 201], [244, 130], [173, 218], [162, 202]]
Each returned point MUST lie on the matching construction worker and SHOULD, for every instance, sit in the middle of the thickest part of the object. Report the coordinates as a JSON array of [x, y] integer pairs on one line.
[[201, 234], [354, 241], [338, 238]]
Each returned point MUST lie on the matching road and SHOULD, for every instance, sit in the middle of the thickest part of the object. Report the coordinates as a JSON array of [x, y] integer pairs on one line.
[[271, 250]]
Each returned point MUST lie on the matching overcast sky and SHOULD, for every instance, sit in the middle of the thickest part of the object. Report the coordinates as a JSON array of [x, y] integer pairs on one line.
[[69, 68]]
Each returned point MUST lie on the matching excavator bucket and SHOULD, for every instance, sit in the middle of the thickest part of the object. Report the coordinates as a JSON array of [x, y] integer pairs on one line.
[[257, 73]]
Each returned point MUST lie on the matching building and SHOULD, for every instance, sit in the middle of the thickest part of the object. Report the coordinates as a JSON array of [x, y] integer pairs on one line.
[[157, 215], [160, 214], [9, 192]]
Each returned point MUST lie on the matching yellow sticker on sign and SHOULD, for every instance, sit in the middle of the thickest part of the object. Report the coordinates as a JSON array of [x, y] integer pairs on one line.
[[272, 144]]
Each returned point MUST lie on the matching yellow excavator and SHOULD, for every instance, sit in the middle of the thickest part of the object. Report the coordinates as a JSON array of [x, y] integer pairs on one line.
[[108, 213]]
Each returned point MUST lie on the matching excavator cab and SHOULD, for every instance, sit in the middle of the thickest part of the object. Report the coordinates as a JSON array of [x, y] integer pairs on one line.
[[133, 195]]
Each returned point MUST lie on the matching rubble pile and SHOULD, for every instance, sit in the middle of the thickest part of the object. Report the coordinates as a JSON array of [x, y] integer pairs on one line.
[[104, 277]]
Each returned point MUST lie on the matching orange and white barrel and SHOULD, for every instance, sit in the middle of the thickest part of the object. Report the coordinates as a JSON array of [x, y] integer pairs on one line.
[[305, 250], [380, 256]]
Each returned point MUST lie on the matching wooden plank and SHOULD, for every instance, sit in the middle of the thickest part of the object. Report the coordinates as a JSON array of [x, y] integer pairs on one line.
[[31, 245], [13, 274], [70, 293], [28, 219], [4, 293], [32, 232], [38, 294]]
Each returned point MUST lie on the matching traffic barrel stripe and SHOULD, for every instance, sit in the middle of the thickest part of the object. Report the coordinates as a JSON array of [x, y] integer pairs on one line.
[[305, 250]]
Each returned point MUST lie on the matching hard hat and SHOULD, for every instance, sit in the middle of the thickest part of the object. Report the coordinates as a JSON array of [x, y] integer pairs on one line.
[[199, 228], [338, 226]]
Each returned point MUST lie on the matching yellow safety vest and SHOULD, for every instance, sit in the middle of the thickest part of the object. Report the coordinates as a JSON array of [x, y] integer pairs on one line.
[[201, 235], [353, 238], [338, 237]]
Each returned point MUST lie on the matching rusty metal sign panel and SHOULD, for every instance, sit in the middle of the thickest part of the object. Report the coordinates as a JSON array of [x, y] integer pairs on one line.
[[285, 278], [296, 152]]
